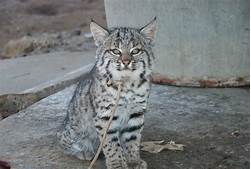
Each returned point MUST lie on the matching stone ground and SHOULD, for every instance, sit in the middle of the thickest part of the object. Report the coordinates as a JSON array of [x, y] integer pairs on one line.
[[212, 123]]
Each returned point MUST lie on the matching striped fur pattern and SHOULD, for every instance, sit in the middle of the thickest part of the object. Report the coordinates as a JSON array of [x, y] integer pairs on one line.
[[122, 54]]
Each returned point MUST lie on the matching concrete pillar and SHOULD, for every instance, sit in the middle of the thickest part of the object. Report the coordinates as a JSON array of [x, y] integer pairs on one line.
[[199, 42]]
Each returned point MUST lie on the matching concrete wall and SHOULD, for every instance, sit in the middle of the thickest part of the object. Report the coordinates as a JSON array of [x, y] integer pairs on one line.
[[196, 38]]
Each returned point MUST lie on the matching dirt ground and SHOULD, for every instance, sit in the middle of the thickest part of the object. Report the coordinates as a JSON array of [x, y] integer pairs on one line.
[[26, 17]]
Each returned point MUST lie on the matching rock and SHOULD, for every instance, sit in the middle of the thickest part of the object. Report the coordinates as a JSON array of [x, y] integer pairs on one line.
[[29, 136], [76, 32], [88, 36], [28, 44], [4, 165], [18, 47], [184, 115], [48, 42]]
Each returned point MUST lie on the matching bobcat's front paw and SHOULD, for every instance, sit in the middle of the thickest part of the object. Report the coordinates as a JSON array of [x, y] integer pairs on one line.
[[141, 164], [117, 165]]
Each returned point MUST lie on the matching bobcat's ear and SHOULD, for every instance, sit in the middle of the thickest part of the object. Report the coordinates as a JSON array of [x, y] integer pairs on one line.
[[99, 33], [149, 31]]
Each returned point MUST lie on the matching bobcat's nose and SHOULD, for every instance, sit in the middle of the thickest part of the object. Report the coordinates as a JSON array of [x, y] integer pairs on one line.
[[126, 60]]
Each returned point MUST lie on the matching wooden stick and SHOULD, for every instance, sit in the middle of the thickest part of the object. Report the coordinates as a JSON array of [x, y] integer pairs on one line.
[[119, 83]]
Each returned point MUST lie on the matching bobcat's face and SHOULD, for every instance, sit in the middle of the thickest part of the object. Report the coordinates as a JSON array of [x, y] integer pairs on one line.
[[125, 51]]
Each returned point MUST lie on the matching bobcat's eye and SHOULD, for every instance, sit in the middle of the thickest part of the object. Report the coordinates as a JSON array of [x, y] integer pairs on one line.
[[135, 51], [115, 52]]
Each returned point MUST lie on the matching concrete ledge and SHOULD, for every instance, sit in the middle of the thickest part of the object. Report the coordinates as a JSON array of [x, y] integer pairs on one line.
[[29, 73], [44, 76], [64, 80]]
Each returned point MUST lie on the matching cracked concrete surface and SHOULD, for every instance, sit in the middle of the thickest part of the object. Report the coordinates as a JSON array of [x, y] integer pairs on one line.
[[212, 123]]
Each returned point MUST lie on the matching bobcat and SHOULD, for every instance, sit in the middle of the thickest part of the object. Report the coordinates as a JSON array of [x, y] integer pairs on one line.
[[122, 54]]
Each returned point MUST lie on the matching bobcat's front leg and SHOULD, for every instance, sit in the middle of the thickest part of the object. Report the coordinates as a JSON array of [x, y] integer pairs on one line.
[[132, 151], [112, 149], [131, 138]]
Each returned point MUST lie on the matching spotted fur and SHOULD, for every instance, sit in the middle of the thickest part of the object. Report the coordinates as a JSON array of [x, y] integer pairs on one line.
[[122, 54]]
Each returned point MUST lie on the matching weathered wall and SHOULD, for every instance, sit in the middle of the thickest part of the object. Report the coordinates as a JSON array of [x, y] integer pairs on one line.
[[196, 38]]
